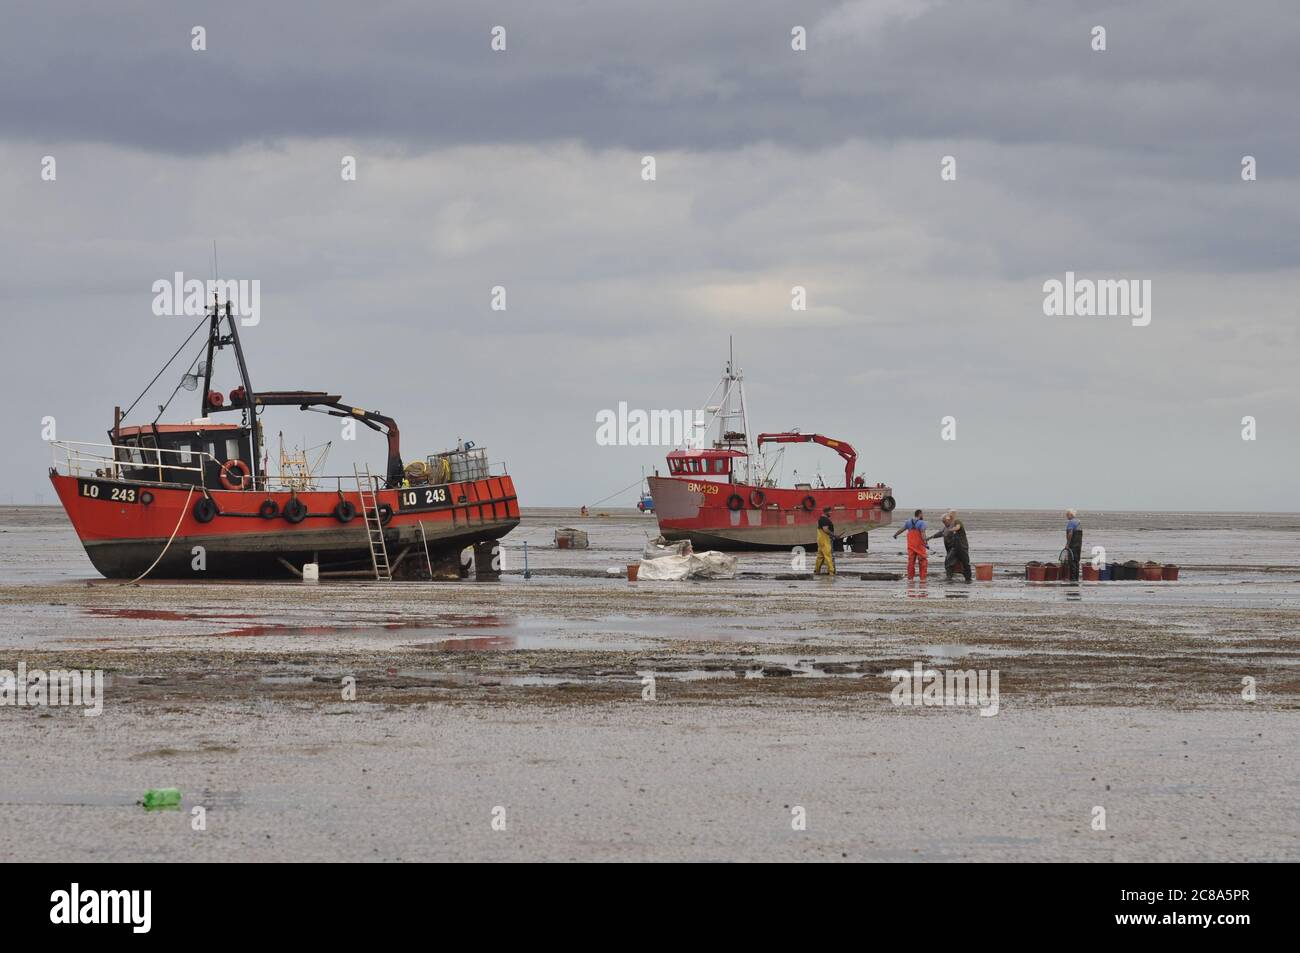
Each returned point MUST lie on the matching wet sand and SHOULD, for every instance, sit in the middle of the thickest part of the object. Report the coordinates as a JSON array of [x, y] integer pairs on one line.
[[769, 695], [642, 781]]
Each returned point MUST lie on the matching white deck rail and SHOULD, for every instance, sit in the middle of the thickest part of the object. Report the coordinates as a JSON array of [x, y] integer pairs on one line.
[[104, 461], [101, 461]]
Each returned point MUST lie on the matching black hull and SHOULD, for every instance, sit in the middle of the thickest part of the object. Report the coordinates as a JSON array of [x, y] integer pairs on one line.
[[246, 556]]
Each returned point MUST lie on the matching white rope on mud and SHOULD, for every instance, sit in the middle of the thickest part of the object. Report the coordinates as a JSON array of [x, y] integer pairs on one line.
[[426, 549], [184, 509]]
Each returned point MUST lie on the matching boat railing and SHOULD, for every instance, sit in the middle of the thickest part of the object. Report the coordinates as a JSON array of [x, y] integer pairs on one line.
[[103, 461], [343, 482]]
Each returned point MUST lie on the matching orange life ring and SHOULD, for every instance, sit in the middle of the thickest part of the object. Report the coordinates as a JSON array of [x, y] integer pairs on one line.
[[245, 475]]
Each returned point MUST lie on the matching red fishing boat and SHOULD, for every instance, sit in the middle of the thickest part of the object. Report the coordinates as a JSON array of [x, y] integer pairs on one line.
[[725, 496], [194, 500]]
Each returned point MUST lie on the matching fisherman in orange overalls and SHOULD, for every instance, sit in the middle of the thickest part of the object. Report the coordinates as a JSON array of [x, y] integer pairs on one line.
[[918, 549]]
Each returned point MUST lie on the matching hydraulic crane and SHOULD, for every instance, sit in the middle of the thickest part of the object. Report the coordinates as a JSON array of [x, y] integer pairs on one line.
[[839, 446]]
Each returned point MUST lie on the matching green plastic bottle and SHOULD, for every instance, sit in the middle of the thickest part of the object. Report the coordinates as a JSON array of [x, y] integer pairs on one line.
[[161, 797]]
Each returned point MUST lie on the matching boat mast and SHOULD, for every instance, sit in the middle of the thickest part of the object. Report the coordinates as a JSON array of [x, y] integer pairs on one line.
[[730, 412], [733, 413], [216, 342]]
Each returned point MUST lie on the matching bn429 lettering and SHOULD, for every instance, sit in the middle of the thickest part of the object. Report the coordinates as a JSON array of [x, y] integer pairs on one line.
[[108, 492], [423, 498]]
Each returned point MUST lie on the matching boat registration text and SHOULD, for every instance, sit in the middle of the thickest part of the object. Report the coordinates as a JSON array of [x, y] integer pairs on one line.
[[109, 492], [423, 498]]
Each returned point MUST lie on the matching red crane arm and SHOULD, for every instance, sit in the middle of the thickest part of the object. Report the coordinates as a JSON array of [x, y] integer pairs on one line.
[[839, 446]]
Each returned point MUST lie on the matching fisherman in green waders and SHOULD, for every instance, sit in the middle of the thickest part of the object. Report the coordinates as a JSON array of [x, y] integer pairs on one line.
[[825, 530]]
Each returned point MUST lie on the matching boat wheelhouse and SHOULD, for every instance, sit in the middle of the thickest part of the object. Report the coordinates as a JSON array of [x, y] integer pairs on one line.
[[705, 464], [199, 449]]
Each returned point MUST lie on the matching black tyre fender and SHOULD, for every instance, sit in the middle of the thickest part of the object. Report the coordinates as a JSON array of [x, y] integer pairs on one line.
[[385, 514], [295, 511], [345, 511], [735, 502], [269, 510], [809, 503], [888, 503], [205, 510]]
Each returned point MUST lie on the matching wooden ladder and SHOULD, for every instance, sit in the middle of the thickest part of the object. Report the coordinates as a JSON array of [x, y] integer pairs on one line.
[[374, 525]]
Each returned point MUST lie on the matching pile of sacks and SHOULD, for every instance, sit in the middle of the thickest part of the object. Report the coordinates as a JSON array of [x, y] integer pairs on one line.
[[671, 561]]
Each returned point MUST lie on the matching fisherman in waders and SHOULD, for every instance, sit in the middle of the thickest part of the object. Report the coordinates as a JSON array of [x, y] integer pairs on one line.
[[1074, 542], [956, 550], [918, 550], [825, 530]]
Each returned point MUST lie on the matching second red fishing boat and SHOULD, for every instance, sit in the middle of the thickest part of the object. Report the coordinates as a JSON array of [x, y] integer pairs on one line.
[[723, 495]]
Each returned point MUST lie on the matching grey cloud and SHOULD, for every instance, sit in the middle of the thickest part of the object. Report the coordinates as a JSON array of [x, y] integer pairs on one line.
[[1177, 77], [775, 169]]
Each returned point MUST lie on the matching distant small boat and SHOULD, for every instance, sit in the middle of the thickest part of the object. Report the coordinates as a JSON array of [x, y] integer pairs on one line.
[[721, 497]]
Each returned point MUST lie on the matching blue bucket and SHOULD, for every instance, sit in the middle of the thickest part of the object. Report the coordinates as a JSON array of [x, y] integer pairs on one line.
[[1103, 574]]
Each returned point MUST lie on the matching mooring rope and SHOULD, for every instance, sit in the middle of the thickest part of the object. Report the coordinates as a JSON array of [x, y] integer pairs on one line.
[[184, 509], [617, 493]]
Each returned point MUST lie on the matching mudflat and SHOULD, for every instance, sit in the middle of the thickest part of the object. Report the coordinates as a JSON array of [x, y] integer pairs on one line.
[[562, 718]]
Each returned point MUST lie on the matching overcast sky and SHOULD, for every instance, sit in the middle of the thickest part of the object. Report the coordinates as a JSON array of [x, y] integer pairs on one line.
[[775, 168]]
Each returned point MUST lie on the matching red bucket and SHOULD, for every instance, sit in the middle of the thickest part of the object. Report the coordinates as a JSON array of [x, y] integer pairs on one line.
[[1169, 573], [1051, 572], [1152, 572], [984, 572], [1090, 572], [1035, 573], [632, 570]]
